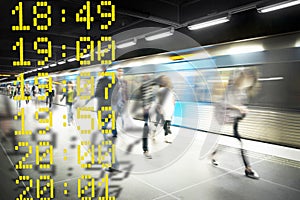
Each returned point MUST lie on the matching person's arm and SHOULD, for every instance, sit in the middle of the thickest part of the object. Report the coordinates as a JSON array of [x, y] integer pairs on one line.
[[229, 98], [64, 95], [242, 109], [88, 101], [75, 96]]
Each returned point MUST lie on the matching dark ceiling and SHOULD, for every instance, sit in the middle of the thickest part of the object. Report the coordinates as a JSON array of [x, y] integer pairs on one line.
[[245, 22]]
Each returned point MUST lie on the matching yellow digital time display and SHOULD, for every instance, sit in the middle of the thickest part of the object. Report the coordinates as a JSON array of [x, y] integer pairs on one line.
[[42, 21], [42, 152]]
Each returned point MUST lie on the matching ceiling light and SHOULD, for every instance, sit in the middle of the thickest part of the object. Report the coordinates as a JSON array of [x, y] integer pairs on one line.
[[209, 23], [61, 62], [46, 67], [160, 35], [271, 79], [278, 6], [71, 60], [53, 65], [40, 68], [297, 43], [126, 44], [104, 50], [86, 56], [245, 49], [34, 70]]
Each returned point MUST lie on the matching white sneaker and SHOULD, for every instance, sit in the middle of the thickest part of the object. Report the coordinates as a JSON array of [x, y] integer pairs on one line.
[[168, 139], [147, 155]]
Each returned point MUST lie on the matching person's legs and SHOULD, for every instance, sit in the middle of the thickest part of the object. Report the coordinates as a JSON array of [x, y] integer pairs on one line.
[[154, 121], [237, 136], [213, 155], [120, 113], [26, 101], [145, 132], [114, 131], [167, 127], [70, 114], [18, 103], [71, 110], [248, 171], [50, 101], [113, 157], [145, 135], [36, 101]]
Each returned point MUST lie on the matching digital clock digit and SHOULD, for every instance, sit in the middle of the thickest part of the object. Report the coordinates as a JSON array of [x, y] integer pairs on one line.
[[41, 16], [88, 50]]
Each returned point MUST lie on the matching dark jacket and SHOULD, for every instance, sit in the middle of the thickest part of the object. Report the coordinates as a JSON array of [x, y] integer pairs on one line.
[[51, 94], [110, 99]]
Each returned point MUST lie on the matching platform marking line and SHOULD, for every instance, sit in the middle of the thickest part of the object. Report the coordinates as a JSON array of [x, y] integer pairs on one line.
[[274, 183], [258, 155], [68, 179], [207, 180], [265, 180], [166, 193]]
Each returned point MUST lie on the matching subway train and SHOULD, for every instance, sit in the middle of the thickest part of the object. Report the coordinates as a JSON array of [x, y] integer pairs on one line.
[[200, 75]]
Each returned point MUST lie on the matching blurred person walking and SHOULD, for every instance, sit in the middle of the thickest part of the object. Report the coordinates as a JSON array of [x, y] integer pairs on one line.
[[164, 106], [27, 93], [17, 92], [36, 92], [106, 117], [232, 109], [12, 91], [106, 101], [49, 98], [33, 90], [147, 97], [70, 96], [122, 96]]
